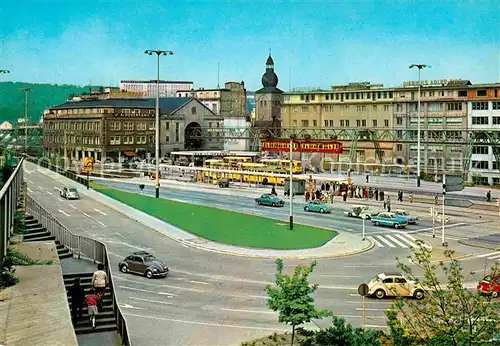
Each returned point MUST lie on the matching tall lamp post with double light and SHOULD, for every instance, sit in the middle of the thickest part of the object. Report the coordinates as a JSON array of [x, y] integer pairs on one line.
[[4, 72], [420, 67], [157, 119], [26, 91], [290, 188]]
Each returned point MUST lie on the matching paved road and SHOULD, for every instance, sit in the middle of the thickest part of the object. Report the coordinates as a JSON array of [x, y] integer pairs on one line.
[[210, 298]]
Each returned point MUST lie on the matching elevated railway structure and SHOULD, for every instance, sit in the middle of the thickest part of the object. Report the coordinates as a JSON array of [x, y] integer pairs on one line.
[[352, 137]]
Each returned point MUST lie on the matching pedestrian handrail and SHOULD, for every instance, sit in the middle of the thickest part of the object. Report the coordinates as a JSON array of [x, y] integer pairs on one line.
[[9, 199], [83, 247]]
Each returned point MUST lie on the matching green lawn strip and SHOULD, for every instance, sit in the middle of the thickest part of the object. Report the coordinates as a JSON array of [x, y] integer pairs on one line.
[[224, 226]]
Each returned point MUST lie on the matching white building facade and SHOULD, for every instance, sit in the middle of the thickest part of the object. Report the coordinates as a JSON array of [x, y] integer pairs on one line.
[[233, 127], [485, 163], [148, 88]]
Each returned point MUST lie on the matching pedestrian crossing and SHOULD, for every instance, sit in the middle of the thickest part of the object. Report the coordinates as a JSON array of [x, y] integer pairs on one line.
[[395, 240], [491, 256]]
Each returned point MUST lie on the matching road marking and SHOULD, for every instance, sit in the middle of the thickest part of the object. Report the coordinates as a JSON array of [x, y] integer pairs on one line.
[[430, 228], [100, 212], [129, 306], [489, 254], [348, 288], [371, 309], [148, 291], [339, 276], [62, 200], [206, 323], [50, 193], [494, 257], [87, 215], [367, 317], [375, 326], [406, 241], [151, 301], [252, 311], [29, 190], [62, 212], [199, 282], [385, 241], [72, 206], [90, 217], [118, 234], [396, 241], [257, 297], [29, 172], [183, 288], [41, 188], [376, 241], [30, 181], [56, 188]]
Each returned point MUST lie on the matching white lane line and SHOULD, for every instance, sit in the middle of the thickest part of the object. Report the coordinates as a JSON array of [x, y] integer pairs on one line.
[[376, 241], [62, 200], [48, 192], [206, 323], [489, 254], [62, 212], [30, 181], [148, 291], [339, 276], [252, 311], [71, 206], [406, 241], [100, 223], [367, 317], [198, 282], [90, 217], [371, 309], [26, 171], [128, 306], [118, 234], [100, 212], [385, 241], [87, 215], [410, 236], [41, 188], [183, 288], [348, 288], [151, 301], [494, 257], [29, 190], [396, 241], [430, 229], [257, 297]]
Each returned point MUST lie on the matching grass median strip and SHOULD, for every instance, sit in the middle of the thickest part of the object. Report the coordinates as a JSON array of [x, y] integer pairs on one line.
[[224, 226]]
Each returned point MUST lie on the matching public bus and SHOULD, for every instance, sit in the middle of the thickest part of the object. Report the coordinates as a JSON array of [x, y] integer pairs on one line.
[[233, 161], [296, 165]]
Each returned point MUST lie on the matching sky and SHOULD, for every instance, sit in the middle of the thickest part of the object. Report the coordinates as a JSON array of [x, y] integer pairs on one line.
[[313, 43]]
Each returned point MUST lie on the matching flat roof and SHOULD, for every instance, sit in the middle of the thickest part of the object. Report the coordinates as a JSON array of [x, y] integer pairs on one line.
[[215, 153], [154, 81]]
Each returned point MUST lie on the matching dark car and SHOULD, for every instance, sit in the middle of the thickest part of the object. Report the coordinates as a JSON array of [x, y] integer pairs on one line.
[[144, 263], [223, 182]]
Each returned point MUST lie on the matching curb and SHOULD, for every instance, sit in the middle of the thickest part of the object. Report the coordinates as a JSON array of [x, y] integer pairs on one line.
[[370, 245], [478, 245]]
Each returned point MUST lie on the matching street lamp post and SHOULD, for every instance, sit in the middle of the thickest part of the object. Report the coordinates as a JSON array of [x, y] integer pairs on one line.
[[4, 72], [157, 127], [420, 67], [26, 91], [290, 188]]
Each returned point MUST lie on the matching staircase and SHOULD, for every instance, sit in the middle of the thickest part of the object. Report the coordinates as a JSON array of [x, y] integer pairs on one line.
[[105, 319], [36, 232]]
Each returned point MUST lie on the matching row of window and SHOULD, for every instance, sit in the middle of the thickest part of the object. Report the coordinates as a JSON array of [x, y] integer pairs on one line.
[[342, 123], [103, 111], [73, 125], [131, 125], [485, 165], [73, 139], [485, 105], [485, 121]]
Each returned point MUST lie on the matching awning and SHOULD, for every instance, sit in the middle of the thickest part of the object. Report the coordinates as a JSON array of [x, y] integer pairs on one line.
[[130, 153]]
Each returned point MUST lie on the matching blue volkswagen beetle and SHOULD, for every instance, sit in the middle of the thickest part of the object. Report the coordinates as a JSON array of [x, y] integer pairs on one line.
[[390, 219]]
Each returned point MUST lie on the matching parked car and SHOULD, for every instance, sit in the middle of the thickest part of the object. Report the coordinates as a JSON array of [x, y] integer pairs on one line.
[[404, 213], [361, 211], [144, 263], [490, 286], [268, 199], [69, 193], [223, 182], [390, 219], [391, 285], [316, 206]]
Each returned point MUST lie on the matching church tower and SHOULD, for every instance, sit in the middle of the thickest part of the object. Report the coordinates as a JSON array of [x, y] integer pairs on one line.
[[268, 99]]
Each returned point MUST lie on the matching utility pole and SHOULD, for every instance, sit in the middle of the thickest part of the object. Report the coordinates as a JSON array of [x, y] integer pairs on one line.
[[26, 91], [290, 189], [3, 72], [157, 127]]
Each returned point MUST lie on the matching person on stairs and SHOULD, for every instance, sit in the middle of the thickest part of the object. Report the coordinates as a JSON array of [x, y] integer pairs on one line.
[[77, 294], [99, 282], [92, 300]]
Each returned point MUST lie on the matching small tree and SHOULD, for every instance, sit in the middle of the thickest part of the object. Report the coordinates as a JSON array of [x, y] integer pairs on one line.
[[450, 314], [292, 296]]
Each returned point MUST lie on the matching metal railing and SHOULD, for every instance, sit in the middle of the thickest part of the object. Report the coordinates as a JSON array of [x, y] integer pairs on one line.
[[9, 199], [83, 247]]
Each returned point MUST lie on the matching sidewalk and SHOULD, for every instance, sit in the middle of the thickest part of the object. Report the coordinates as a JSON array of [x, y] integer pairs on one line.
[[344, 244], [35, 311]]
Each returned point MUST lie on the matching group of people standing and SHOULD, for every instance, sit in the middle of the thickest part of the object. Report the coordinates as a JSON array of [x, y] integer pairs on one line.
[[93, 299]]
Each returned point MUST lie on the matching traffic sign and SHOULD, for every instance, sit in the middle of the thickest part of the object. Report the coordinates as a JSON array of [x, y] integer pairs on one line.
[[455, 202], [363, 290], [454, 184], [88, 164], [454, 188]]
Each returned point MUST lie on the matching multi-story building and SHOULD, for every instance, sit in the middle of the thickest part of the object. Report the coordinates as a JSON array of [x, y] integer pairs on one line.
[[229, 101], [107, 93], [443, 124], [483, 109], [115, 128], [148, 88], [268, 99], [353, 106]]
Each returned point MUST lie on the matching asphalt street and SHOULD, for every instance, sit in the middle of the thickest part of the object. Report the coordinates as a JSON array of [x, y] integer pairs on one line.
[[209, 298]]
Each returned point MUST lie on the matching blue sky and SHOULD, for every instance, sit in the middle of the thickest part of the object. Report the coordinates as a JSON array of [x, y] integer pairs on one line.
[[320, 42]]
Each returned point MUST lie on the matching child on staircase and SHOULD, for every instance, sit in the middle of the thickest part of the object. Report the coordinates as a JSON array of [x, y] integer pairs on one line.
[[92, 300]]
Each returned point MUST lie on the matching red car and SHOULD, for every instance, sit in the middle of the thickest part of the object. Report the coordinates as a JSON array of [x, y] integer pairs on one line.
[[490, 285]]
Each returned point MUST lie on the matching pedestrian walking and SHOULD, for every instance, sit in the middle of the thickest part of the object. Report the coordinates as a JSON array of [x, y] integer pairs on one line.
[[92, 300], [77, 294], [367, 178], [410, 197], [308, 196], [344, 196], [323, 187], [365, 192], [436, 199], [376, 194], [273, 191], [402, 195], [327, 187], [389, 204], [488, 196], [381, 196], [100, 281]]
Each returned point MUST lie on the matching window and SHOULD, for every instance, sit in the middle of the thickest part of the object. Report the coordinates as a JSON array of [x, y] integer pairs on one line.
[[177, 132], [399, 107], [434, 107], [114, 126], [128, 140], [496, 166], [374, 122], [114, 140], [358, 108], [496, 120], [128, 126], [305, 109], [326, 123], [480, 164], [313, 97], [141, 126], [331, 123], [481, 92], [358, 123], [315, 123], [479, 120], [357, 96], [390, 94], [305, 123], [480, 105], [347, 123], [399, 121], [454, 106], [386, 122], [480, 149], [462, 93], [342, 123], [374, 107], [363, 123], [141, 140], [399, 147], [386, 108], [496, 105]]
